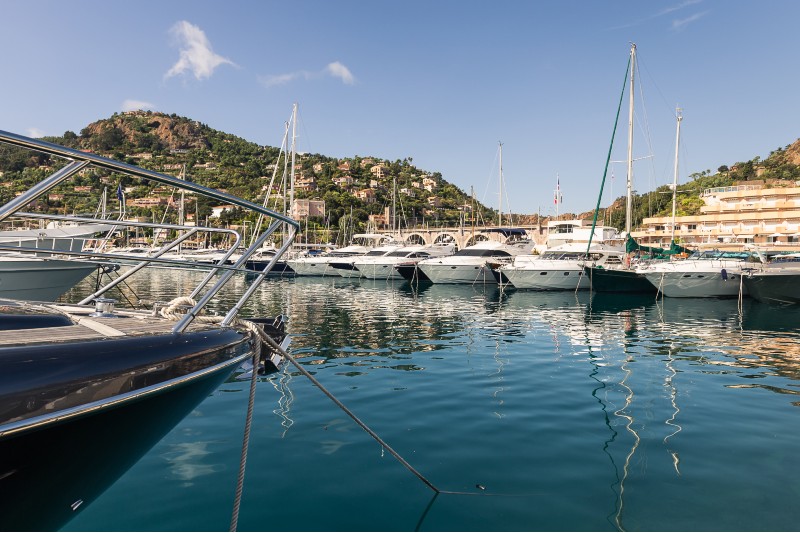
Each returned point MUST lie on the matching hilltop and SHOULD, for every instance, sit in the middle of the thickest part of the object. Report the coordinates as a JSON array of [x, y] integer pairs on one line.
[[357, 190]]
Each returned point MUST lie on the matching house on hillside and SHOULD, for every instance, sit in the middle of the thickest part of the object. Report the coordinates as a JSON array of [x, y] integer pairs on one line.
[[304, 208], [379, 171], [344, 181], [306, 183], [366, 196]]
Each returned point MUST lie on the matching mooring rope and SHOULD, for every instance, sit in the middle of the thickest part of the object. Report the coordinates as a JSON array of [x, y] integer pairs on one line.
[[237, 500], [170, 311], [274, 345]]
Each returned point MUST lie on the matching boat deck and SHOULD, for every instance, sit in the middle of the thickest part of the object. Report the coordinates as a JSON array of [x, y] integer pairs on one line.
[[123, 323]]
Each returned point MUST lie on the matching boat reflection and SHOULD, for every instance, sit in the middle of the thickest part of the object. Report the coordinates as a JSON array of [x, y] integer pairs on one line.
[[639, 358]]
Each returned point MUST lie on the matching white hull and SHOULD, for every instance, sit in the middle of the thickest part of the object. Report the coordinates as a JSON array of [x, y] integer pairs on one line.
[[312, 266], [561, 268], [376, 270], [448, 272], [347, 273], [31, 279], [547, 275], [696, 285], [698, 279]]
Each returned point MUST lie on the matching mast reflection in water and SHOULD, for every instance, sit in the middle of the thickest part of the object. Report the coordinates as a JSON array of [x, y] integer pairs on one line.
[[559, 411]]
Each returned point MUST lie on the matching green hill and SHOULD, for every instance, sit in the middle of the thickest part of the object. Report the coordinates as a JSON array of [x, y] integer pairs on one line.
[[354, 189], [168, 143]]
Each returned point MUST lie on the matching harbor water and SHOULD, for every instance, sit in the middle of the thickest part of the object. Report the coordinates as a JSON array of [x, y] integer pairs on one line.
[[526, 410]]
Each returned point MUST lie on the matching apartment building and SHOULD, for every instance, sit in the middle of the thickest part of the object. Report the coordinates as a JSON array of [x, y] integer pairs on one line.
[[740, 214]]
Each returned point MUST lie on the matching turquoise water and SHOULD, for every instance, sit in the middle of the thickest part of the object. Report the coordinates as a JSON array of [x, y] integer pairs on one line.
[[551, 411]]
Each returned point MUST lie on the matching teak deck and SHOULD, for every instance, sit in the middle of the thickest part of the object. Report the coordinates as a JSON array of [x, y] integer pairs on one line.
[[124, 323]]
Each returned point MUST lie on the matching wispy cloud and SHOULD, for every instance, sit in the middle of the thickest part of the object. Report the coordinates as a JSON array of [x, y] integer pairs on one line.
[[335, 69], [679, 24], [35, 133], [668, 10], [135, 105], [196, 55], [676, 24]]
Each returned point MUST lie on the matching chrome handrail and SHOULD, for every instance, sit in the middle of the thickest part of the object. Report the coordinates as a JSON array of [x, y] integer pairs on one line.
[[80, 160]]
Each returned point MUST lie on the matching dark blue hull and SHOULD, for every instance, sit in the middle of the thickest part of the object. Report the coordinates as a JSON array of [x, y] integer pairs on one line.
[[281, 268], [410, 272], [90, 410], [612, 280]]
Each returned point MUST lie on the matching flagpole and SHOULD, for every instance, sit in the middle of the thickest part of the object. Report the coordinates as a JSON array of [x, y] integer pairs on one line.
[[557, 196]]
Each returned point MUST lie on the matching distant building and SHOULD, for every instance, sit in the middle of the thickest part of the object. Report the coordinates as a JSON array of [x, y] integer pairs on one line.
[[746, 213], [343, 181], [377, 221], [149, 201], [304, 208], [366, 195], [379, 171]]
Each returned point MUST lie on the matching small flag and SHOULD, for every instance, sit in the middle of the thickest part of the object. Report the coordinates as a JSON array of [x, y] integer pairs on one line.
[[558, 197], [120, 194]]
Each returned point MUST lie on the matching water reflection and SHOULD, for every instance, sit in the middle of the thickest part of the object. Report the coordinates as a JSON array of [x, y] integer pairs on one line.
[[638, 363]]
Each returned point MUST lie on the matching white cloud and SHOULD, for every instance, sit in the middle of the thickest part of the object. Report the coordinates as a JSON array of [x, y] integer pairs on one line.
[[135, 105], [196, 55], [281, 79], [35, 133], [677, 7], [335, 69], [678, 24]]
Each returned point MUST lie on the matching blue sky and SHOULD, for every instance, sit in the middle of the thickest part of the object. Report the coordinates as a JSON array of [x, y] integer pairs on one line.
[[440, 81]]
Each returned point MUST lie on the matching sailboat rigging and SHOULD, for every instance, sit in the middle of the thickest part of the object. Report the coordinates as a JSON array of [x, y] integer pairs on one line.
[[626, 278]]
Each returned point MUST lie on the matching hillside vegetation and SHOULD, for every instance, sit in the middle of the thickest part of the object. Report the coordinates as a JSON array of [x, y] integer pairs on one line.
[[352, 188]]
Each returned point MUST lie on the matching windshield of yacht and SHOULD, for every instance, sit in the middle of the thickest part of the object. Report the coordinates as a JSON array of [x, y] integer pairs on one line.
[[563, 255], [397, 253], [472, 252], [717, 254]]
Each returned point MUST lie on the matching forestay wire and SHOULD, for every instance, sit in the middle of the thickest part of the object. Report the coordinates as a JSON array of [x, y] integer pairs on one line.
[[608, 158]]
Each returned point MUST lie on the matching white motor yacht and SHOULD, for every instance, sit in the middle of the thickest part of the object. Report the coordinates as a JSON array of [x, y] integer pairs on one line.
[[472, 264], [320, 265], [346, 268], [384, 267], [30, 278], [706, 274], [561, 267]]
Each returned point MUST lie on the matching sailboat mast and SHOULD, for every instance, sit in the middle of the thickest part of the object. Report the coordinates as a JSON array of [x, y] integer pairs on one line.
[[500, 209], [675, 175], [629, 200], [294, 151], [394, 206], [180, 204], [181, 215]]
